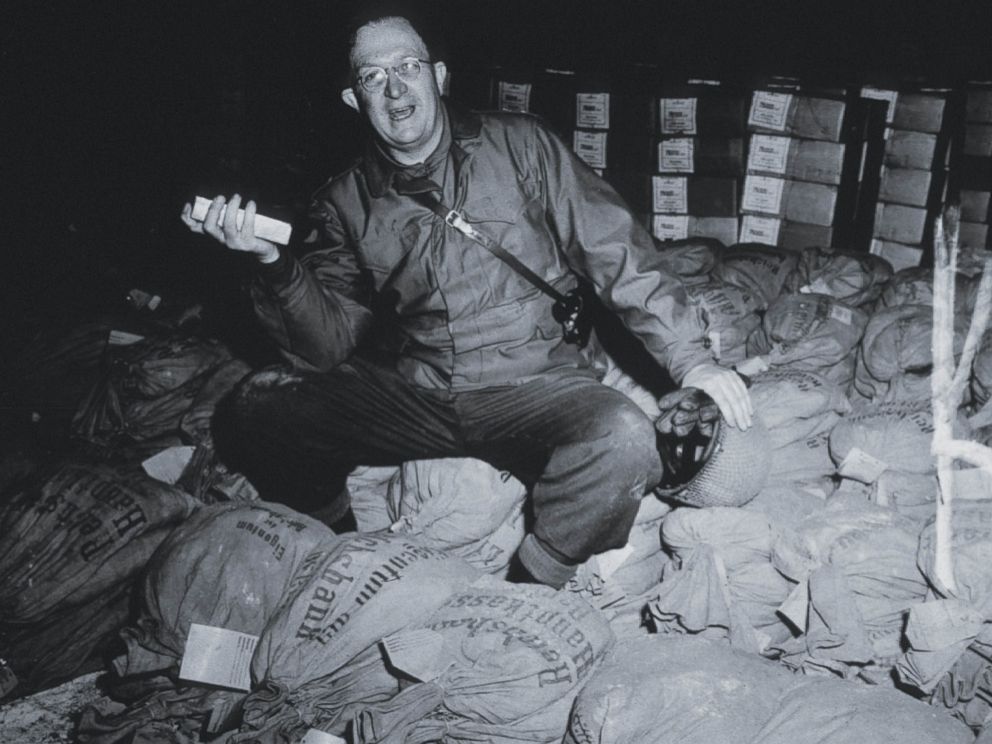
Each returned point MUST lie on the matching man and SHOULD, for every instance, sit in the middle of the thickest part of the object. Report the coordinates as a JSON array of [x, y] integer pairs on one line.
[[465, 356]]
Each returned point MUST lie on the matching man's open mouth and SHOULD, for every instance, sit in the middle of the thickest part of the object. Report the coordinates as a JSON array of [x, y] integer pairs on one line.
[[401, 113]]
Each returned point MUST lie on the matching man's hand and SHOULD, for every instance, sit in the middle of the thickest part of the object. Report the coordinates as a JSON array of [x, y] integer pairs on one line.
[[727, 390], [685, 410], [226, 230]]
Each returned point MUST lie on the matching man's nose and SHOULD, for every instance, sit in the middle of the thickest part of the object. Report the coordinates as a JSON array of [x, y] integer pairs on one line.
[[395, 87]]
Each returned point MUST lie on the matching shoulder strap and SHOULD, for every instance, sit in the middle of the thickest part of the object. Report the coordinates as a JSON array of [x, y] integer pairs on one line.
[[454, 219]]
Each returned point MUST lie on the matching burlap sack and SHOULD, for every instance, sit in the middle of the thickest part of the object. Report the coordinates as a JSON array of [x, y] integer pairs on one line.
[[761, 269], [730, 314], [228, 567], [852, 277], [463, 506], [810, 331], [681, 690], [823, 710], [347, 594], [77, 531], [514, 656]]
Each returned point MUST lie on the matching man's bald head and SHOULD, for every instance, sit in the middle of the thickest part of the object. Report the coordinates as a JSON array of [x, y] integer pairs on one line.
[[384, 31]]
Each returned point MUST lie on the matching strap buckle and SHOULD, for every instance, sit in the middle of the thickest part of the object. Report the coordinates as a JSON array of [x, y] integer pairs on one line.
[[453, 218]]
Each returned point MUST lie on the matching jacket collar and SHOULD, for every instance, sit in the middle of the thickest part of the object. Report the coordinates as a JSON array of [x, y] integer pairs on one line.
[[379, 168]]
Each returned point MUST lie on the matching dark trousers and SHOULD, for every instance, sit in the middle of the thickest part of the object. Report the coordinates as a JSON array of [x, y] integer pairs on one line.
[[586, 451]]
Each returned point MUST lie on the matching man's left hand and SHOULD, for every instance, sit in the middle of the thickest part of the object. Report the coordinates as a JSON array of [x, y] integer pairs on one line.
[[727, 390]]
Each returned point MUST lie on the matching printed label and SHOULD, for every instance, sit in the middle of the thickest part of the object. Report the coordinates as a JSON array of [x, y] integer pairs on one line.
[[878, 94], [592, 110], [763, 194], [217, 656], [678, 115], [670, 226], [315, 736], [841, 314], [860, 466], [760, 229], [676, 155], [670, 194], [514, 97], [768, 153], [591, 147], [769, 110]]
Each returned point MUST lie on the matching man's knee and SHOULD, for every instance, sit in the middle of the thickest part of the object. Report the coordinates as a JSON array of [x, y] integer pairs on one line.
[[630, 437]]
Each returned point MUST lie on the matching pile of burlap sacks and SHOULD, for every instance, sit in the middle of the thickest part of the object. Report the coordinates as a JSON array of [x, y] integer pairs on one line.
[[812, 610]]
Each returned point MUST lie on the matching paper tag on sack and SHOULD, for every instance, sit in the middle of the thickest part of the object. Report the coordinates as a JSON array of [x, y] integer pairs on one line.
[[983, 417], [123, 338], [419, 653], [670, 194], [769, 153], [842, 314], [860, 466], [936, 625], [670, 226], [752, 366], [795, 608], [168, 465], [763, 194], [217, 656], [607, 563], [316, 736], [973, 484], [820, 286]]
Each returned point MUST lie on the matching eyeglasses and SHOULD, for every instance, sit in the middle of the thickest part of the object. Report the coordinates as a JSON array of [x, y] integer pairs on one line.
[[374, 79]]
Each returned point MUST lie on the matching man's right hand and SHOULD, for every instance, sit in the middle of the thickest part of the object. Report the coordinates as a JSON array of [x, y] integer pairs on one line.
[[226, 230]]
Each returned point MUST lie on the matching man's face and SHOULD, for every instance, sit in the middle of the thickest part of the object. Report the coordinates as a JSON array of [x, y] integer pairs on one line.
[[405, 113]]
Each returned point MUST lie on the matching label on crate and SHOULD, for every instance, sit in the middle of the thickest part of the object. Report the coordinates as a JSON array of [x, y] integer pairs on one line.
[[769, 110], [763, 194], [878, 94], [591, 147], [514, 97], [760, 229], [768, 153], [670, 226], [899, 255], [678, 115], [592, 110], [670, 194], [676, 155]]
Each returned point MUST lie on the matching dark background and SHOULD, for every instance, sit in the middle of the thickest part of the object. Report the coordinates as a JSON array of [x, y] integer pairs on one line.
[[118, 113]]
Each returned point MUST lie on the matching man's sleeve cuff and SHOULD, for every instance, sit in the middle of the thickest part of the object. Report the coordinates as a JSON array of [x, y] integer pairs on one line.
[[277, 273]]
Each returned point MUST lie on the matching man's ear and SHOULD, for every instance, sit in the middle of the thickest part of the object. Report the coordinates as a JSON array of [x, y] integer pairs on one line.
[[349, 97], [440, 75]]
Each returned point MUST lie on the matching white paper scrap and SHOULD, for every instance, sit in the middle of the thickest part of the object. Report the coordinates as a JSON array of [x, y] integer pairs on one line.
[[217, 656], [419, 653], [316, 736], [169, 464], [860, 466]]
